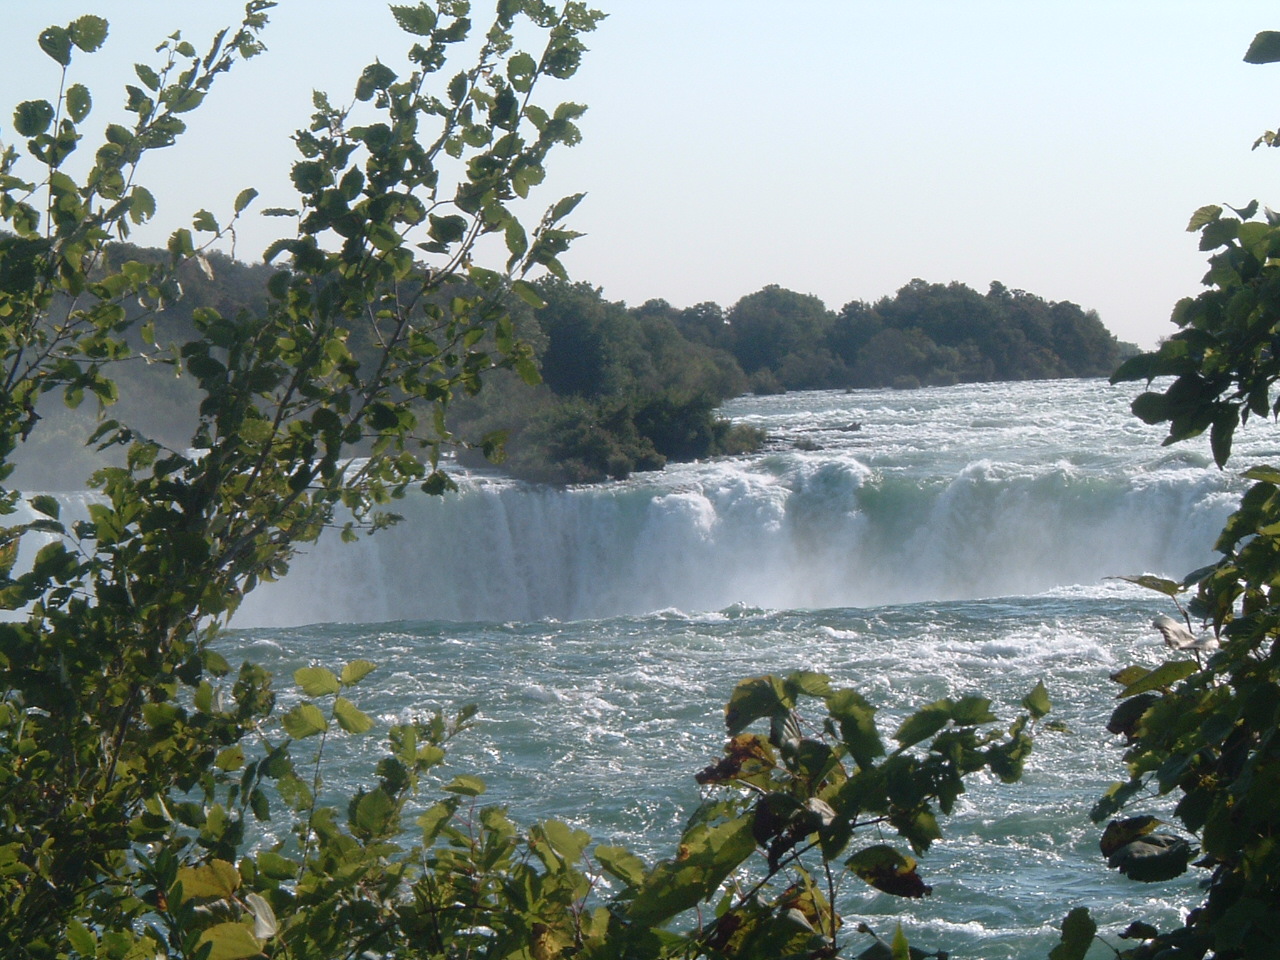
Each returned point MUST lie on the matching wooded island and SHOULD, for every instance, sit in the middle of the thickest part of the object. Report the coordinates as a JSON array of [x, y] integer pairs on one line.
[[626, 389]]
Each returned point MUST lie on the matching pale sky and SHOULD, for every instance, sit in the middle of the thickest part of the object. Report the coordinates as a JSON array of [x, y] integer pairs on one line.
[[834, 147]]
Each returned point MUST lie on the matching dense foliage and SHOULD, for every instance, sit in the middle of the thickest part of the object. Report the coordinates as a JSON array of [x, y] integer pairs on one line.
[[622, 391], [925, 334]]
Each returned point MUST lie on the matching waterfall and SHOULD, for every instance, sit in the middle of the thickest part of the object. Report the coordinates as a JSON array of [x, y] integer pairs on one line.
[[803, 534]]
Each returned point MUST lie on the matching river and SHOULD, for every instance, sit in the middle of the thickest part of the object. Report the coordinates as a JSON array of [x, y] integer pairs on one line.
[[915, 544]]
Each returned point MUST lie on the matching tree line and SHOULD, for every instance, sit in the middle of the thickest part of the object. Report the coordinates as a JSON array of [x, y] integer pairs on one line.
[[627, 389]]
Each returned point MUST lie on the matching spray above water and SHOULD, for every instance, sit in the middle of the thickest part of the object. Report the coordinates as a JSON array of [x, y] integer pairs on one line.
[[921, 504]]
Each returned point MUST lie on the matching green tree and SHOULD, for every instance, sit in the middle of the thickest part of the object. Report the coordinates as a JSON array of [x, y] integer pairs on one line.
[[112, 741], [704, 323], [772, 323], [623, 390], [580, 357]]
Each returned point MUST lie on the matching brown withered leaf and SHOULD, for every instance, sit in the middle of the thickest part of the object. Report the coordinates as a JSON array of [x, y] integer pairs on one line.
[[745, 754]]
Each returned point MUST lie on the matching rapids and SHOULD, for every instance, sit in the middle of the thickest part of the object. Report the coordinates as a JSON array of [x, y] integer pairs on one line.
[[914, 545]]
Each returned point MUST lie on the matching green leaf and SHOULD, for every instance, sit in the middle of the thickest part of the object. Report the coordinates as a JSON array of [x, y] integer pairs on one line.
[[622, 864], [88, 32], [217, 878], [32, 117], [448, 229], [466, 785], [1162, 677], [419, 20], [1265, 48], [752, 700], [565, 206], [79, 102], [517, 241], [1078, 930], [259, 804], [458, 87], [528, 294], [1114, 799], [316, 681], [382, 237], [303, 721], [1204, 216], [142, 205], [971, 711], [809, 683], [204, 222], [150, 79], [1037, 702], [376, 76], [355, 671], [901, 949], [350, 717], [434, 818], [185, 101], [180, 243], [565, 840], [1130, 674], [1219, 233], [919, 828], [56, 42], [276, 867], [924, 723], [82, 939], [1151, 407], [1221, 434], [228, 941], [521, 70], [1006, 759], [528, 371], [1158, 584], [886, 869], [1263, 472], [231, 758], [707, 856], [856, 718], [49, 506], [374, 813], [244, 198]]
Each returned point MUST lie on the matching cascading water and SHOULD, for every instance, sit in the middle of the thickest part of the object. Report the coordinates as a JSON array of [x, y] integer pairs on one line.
[[916, 504]]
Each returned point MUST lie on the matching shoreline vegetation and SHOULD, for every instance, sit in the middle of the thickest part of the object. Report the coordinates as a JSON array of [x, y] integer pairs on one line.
[[627, 389]]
